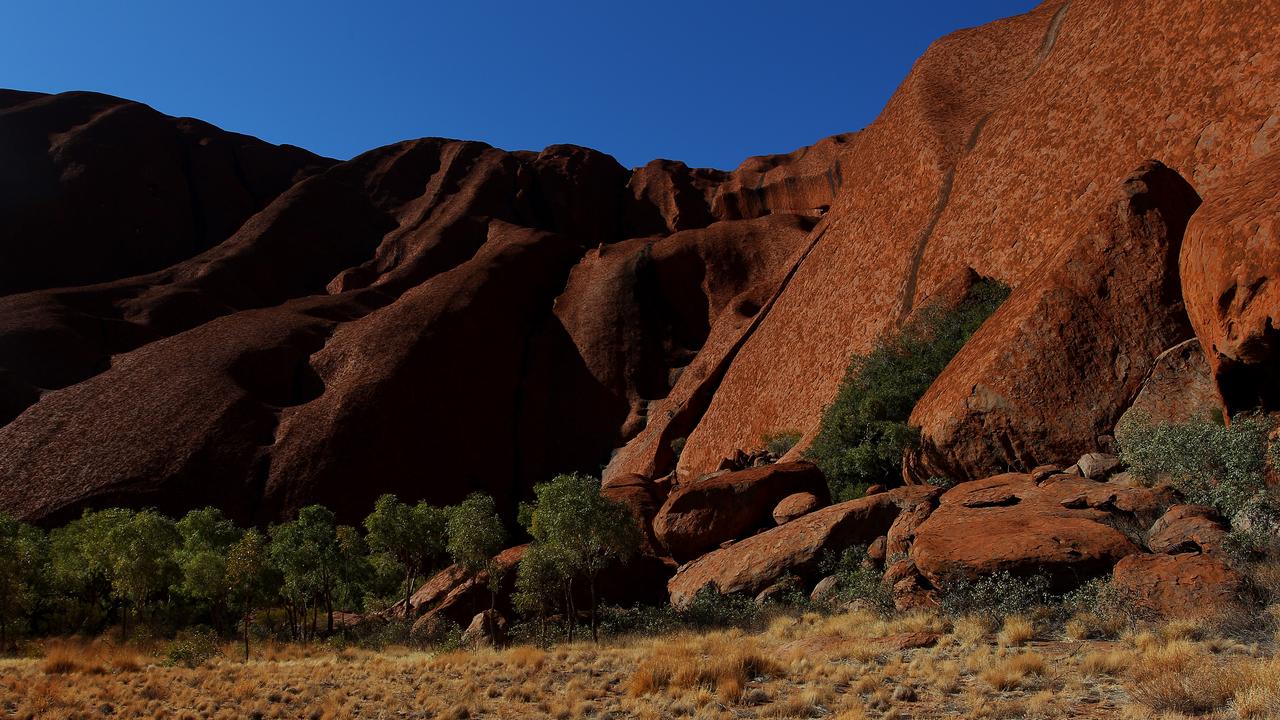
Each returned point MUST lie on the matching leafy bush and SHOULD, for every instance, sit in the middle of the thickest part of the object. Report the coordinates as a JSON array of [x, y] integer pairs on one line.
[[710, 609], [864, 431], [855, 580], [1210, 463], [999, 594], [780, 443], [192, 648]]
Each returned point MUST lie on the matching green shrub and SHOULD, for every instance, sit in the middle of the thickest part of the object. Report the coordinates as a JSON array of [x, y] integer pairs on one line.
[[856, 580], [1210, 463], [999, 594], [192, 648], [780, 443], [864, 431], [710, 609]]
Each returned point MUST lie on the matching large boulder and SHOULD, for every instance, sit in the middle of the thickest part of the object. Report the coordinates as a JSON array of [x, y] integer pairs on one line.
[[797, 548], [702, 514], [1067, 527], [1231, 282], [794, 506], [1188, 528], [1052, 370], [1182, 585]]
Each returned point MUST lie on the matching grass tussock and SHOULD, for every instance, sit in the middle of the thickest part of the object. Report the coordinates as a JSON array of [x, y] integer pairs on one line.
[[851, 665]]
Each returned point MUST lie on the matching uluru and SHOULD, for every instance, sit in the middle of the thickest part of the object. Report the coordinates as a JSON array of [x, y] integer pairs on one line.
[[1012, 340]]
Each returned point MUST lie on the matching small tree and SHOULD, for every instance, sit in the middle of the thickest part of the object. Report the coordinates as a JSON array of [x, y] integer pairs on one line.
[[250, 578], [415, 538], [476, 535], [142, 560], [585, 531], [207, 536], [306, 552], [541, 582], [24, 552], [81, 560]]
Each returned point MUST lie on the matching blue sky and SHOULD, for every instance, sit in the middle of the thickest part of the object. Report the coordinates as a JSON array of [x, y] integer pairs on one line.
[[706, 82]]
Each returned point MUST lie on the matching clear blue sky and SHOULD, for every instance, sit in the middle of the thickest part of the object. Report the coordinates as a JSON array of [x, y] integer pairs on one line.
[[707, 82]]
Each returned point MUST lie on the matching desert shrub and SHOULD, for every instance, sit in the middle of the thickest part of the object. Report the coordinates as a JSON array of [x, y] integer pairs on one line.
[[864, 432], [710, 609], [940, 481], [780, 443], [677, 447], [999, 594], [856, 580], [1210, 463], [1098, 610], [192, 648]]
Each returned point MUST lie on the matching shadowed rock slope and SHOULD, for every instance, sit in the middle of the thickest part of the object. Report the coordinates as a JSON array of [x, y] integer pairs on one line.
[[189, 316]]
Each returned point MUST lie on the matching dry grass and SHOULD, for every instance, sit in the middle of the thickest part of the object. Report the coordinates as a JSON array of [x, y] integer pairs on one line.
[[852, 666]]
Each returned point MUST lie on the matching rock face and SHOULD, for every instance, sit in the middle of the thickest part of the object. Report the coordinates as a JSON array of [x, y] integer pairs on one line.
[[1067, 527], [1230, 263], [754, 564], [1180, 388], [1052, 370], [190, 317], [701, 515], [97, 188]]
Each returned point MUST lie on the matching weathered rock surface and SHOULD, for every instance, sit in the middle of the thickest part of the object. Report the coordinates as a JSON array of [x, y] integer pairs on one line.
[[793, 506], [1183, 585], [96, 188], [1230, 268], [1188, 528], [1067, 527], [1180, 388], [1056, 365], [702, 514], [751, 565]]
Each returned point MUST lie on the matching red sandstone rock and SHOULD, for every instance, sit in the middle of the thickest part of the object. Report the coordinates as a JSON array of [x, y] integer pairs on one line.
[[700, 515], [1230, 266], [1180, 388], [1064, 527], [793, 506], [753, 564], [1188, 528], [1184, 585], [1058, 363], [97, 188]]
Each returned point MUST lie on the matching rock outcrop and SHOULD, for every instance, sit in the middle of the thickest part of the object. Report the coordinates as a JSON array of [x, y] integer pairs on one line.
[[795, 549], [1052, 370], [1230, 267], [193, 317], [707, 512], [1180, 388], [1067, 527]]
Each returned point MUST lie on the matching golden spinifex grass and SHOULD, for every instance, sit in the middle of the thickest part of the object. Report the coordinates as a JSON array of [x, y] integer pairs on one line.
[[849, 665]]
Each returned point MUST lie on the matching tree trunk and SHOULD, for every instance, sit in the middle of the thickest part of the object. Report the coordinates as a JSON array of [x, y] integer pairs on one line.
[[408, 593], [248, 613], [328, 608], [595, 634]]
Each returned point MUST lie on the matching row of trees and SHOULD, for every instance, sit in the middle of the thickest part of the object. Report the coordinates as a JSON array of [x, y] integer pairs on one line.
[[141, 565]]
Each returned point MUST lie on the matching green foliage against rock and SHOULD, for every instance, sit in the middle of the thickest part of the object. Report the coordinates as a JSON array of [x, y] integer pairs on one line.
[[24, 555], [1223, 466], [251, 579], [140, 548], [781, 443], [476, 535], [856, 579], [413, 538], [577, 533], [207, 536], [864, 432]]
